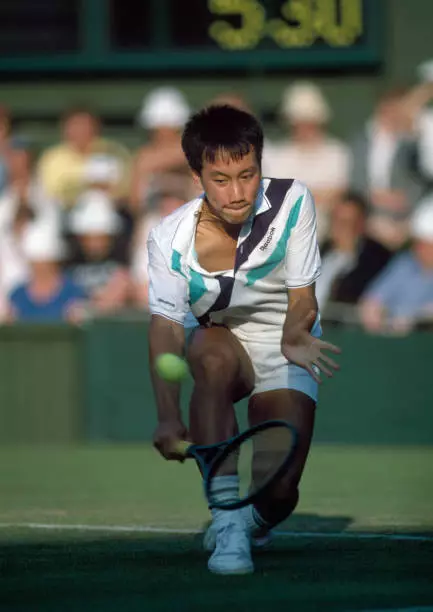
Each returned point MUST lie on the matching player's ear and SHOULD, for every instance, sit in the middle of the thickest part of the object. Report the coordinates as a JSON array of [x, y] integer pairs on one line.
[[197, 180]]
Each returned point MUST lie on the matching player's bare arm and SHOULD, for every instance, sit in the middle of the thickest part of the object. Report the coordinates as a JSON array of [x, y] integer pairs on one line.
[[166, 336], [297, 343]]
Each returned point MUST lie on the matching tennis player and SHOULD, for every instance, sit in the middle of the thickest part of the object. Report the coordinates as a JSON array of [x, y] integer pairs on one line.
[[243, 258]]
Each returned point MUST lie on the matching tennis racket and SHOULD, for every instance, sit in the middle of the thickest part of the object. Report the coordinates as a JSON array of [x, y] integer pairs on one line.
[[259, 457]]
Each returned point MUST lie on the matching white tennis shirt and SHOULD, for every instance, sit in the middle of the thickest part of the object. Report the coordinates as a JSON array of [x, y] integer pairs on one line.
[[277, 250]]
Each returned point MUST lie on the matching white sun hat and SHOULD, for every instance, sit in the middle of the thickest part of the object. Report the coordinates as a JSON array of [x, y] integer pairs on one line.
[[94, 213], [305, 102], [422, 220], [164, 107], [102, 169], [41, 241]]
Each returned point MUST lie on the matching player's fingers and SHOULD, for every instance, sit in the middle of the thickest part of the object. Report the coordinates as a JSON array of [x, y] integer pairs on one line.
[[314, 371], [175, 457], [164, 448], [323, 368], [329, 361], [327, 346]]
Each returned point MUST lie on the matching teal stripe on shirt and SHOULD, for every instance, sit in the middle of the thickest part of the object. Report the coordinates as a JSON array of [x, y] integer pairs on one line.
[[197, 287], [279, 252], [175, 262]]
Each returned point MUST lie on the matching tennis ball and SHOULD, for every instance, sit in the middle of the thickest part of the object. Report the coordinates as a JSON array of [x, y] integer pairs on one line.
[[171, 367]]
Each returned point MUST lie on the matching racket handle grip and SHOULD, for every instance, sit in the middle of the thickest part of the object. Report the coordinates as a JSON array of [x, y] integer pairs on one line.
[[181, 447]]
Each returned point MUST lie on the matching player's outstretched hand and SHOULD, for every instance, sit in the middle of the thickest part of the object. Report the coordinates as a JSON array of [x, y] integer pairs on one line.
[[165, 437], [306, 351]]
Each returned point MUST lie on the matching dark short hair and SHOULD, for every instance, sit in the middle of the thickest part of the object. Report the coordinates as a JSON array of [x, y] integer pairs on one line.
[[221, 129], [356, 198]]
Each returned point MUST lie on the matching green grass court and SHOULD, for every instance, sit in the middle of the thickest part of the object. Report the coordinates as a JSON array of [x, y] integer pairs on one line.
[[115, 528]]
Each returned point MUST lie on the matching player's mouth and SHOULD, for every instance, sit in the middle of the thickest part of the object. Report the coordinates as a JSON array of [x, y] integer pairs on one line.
[[237, 208]]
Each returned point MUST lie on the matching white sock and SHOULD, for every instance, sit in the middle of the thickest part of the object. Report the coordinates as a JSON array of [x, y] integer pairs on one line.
[[253, 520], [223, 489]]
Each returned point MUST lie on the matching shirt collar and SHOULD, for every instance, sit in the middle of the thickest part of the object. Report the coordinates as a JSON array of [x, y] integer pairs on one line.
[[186, 229], [262, 203]]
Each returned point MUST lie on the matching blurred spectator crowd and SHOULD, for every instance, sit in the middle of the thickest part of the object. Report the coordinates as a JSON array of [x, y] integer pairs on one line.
[[74, 220]]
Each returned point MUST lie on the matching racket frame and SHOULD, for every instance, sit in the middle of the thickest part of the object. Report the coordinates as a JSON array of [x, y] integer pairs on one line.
[[221, 450]]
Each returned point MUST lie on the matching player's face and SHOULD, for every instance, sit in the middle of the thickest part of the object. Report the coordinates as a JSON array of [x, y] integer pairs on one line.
[[231, 186]]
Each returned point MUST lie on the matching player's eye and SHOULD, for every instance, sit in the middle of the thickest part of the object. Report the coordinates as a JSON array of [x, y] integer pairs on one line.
[[247, 177], [220, 181]]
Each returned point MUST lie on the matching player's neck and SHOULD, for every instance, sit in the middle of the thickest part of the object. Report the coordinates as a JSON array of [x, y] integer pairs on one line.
[[207, 215]]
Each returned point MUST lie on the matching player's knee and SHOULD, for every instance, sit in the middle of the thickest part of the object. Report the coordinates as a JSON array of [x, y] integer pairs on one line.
[[216, 363]]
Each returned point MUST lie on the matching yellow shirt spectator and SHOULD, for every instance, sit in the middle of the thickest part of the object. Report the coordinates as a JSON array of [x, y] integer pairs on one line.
[[62, 168]]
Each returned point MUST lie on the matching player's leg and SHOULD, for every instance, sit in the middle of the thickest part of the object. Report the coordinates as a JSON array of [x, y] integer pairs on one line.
[[297, 408], [222, 374]]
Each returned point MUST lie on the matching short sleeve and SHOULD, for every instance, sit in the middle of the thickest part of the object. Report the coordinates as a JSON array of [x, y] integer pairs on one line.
[[168, 292], [302, 254]]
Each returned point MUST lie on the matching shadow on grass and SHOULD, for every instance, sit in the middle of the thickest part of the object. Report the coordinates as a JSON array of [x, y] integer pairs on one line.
[[64, 572]]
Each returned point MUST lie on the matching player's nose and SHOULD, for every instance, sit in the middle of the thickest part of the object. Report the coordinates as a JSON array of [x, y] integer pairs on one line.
[[237, 193]]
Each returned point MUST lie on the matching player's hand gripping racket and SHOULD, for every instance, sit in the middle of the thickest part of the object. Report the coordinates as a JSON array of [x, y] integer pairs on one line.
[[259, 456]]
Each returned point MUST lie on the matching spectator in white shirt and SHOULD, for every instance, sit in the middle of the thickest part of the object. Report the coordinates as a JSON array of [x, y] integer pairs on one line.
[[382, 170], [310, 155]]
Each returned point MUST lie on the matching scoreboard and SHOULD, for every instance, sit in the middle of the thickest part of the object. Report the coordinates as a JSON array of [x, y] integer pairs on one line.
[[189, 35]]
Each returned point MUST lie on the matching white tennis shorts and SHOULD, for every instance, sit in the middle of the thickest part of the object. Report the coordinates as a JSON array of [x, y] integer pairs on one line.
[[272, 370]]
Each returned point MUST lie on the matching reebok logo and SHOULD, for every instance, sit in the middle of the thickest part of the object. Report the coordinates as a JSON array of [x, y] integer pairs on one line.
[[171, 305], [268, 239]]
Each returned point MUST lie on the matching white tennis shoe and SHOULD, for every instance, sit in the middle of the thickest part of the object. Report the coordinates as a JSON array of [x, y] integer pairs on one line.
[[231, 550], [258, 539]]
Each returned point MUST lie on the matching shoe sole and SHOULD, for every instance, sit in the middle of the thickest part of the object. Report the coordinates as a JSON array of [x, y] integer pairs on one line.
[[209, 542], [239, 572]]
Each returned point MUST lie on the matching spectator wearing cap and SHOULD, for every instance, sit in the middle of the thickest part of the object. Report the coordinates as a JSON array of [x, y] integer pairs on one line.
[[98, 266], [103, 173], [350, 259], [382, 170], [310, 154], [21, 203], [64, 169], [161, 162], [49, 295], [403, 293]]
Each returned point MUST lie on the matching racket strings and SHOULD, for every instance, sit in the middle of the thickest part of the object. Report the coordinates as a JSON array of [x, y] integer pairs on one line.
[[254, 462]]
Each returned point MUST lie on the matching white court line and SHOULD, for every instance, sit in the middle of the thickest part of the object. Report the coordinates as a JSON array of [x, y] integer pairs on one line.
[[182, 531], [416, 609]]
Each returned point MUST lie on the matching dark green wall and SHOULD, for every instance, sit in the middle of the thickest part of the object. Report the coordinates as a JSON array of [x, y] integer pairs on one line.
[[41, 384], [382, 395], [65, 385]]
